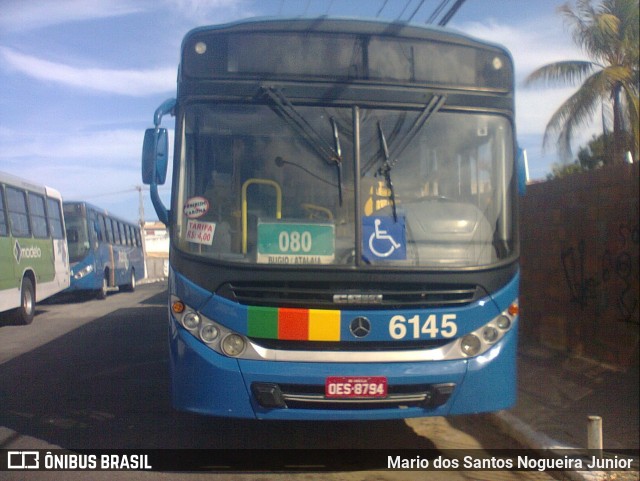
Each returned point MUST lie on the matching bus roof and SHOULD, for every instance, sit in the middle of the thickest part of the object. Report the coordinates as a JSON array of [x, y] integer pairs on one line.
[[99, 210], [349, 25], [14, 180]]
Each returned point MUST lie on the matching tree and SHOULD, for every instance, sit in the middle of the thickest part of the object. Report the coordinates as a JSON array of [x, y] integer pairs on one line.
[[608, 34], [592, 156]]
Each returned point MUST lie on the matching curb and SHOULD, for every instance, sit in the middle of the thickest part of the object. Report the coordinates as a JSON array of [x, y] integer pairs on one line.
[[521, 432]]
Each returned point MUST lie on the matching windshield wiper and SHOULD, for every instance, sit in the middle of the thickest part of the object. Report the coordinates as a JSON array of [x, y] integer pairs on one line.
[[385, 170], [283, 107], [338, 157], [430, 108]]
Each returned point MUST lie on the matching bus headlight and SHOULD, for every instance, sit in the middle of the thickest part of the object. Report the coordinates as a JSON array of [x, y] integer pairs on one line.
[[209, 332], [83, 272], [213, 334], [487, 336], [470, 344], [503, 322], [233, 345], [191, 321], [490, 334]]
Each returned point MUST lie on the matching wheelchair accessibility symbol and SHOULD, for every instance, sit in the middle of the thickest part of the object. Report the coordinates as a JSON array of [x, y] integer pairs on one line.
[[383, 238]]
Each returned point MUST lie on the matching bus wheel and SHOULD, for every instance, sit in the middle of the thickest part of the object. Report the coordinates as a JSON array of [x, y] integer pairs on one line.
[[103, 291], [132, 282], [24, 314]]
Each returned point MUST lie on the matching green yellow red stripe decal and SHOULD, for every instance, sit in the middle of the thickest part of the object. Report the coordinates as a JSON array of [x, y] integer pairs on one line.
[[293, 324]]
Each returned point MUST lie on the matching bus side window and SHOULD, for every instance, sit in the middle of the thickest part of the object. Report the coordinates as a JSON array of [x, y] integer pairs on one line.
[[18, 213], [116, 232], [98, 230], [107, 229], [4, 228], [38, 216]]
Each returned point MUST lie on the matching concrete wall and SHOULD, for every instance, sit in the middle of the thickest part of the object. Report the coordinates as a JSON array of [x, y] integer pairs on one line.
[[157, 267], [579, 255]]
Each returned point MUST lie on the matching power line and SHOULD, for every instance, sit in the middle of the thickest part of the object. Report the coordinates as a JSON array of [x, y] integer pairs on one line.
[[437, 11], [384, 4], [452, 11], [329, 7], [404, 9], [415, 11]]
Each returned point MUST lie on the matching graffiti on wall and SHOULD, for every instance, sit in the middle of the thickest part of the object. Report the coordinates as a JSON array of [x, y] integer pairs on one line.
[[611, 282]]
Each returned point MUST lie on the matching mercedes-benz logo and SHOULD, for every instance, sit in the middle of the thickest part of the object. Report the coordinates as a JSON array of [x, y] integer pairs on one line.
[[360, 327]]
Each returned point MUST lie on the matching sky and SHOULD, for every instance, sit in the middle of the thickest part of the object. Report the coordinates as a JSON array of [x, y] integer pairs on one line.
[[81, 79]]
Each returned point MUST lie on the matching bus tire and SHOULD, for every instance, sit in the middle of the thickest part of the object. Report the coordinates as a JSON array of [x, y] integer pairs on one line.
[[27, 310], [132, 282], [104, 289]]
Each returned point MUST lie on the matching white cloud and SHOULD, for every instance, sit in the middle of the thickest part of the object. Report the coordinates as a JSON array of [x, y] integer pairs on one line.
[[209, 11], [20, 15], [102, 167], [532, 44], [124, 82], [113, 147]]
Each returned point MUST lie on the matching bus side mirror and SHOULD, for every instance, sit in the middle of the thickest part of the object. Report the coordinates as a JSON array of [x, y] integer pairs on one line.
[[155, 156], [522, 168]]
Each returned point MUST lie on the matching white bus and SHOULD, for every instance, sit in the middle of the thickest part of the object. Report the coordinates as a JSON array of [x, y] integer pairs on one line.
[[34, 260]]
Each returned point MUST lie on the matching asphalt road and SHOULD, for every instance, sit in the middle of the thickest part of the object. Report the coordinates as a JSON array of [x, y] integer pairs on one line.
[[90, 374]]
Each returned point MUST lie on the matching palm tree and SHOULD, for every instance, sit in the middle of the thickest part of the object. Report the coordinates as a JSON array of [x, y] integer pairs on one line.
[[608, 34]]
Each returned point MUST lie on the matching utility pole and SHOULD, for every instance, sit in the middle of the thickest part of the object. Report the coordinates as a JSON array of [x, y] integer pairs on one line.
[[142, 231], [140, 205]]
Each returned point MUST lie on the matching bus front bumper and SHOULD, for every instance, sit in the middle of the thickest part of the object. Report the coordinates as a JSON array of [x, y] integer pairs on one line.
[[206, 382]]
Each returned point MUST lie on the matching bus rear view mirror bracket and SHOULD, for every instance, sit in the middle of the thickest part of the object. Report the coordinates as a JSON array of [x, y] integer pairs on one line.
[[155, 158]]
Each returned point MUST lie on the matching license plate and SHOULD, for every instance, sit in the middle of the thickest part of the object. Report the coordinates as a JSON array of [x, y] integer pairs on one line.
[[355, 387]]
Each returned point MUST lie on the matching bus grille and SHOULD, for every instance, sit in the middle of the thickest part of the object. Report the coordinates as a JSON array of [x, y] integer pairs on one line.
[[347, 346], [301, 396], [330, 295]]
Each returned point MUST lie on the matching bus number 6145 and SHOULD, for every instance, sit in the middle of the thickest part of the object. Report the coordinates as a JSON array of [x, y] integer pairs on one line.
[[401, 327]]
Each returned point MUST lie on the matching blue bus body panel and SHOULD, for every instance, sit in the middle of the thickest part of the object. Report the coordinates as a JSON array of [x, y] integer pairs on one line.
[[206, 382], [91, 281], [125, 258]]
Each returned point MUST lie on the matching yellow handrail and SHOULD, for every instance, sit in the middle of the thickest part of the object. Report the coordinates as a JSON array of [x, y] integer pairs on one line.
[[245, 220]]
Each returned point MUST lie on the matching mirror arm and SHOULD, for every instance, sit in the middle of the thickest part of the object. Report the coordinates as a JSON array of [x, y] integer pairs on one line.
[[158, 205], [165, 108]]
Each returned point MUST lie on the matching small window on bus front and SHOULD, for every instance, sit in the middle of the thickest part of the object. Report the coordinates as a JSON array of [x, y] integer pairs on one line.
[[55, 219]]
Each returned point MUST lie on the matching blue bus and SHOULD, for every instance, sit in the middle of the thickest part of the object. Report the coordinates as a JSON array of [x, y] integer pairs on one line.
[[105, 252], [343, 219]]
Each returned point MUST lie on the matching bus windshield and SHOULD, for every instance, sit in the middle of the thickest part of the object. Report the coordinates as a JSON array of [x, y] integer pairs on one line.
[[275, 183], [77, 233]]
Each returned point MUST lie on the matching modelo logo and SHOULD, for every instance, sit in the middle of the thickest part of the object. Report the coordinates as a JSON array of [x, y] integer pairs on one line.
[[33, 252]]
